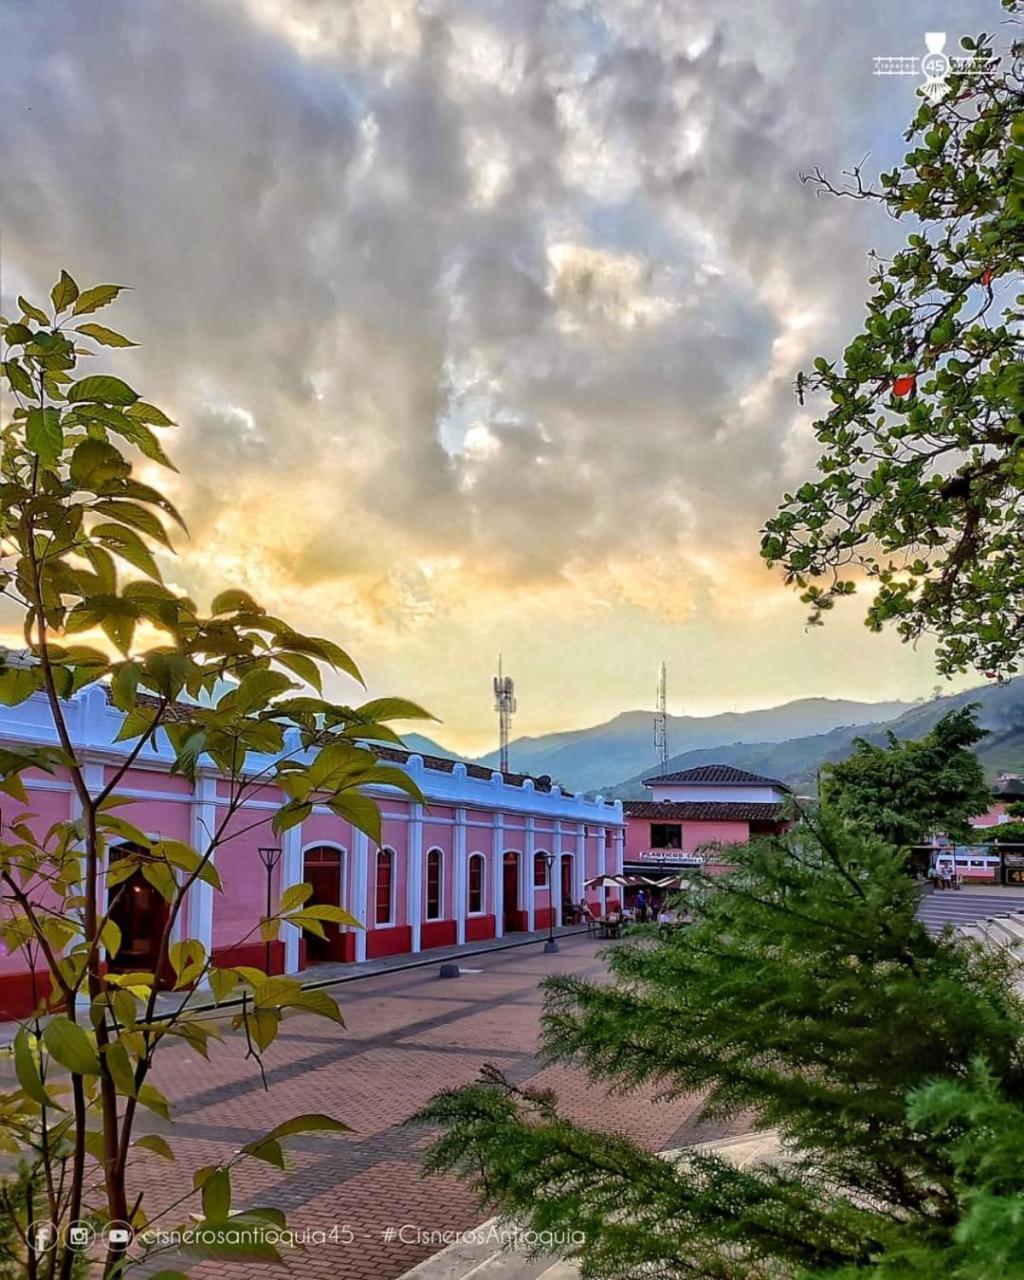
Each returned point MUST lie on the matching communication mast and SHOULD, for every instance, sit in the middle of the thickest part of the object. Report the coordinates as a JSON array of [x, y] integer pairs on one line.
[[661, 717], [505, 705]]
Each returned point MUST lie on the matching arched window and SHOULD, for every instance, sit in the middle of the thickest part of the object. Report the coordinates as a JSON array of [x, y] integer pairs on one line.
[[385, 883], [476, 884], [540, 871], [434, 884]]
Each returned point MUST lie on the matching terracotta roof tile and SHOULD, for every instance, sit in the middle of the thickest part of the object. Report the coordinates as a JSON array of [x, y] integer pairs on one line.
[[702, 811], [718, 774]]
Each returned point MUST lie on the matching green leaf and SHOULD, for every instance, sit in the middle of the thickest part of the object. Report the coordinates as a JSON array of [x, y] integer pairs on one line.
[[141, 411], [127, 544], [234, 601], [392, 709], [120, 1068], [27, 1071], [151, 1097], [161, 877], [103, 388], [43, 434], [304, 667], [360, 810], [123, 685], [18, 683], [294, 896], [155, 1143], [63, 293], [95, 463], [311, 1123], [329, 912], [34, 313], [106, 337], [19, 379], [98, 296], [319, 1003], [222, 983], [70, 1046], [256, 690], [269, 1151]]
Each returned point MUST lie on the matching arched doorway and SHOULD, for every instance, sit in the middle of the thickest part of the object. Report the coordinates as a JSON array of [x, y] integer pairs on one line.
[[566, 901], [321, 868], [510, 894], [140, 913]]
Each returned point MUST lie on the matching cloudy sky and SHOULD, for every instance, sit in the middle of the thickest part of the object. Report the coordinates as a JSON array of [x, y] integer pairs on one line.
[[479, 317]]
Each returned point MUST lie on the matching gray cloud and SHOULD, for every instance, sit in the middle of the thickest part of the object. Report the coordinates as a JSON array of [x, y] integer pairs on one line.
[[524, 283]]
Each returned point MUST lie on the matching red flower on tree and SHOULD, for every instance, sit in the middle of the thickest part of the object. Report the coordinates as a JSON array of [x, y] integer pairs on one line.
[[905, 385]]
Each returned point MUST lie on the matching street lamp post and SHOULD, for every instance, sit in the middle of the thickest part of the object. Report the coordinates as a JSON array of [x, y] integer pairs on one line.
[[270, 856], [551, 945]]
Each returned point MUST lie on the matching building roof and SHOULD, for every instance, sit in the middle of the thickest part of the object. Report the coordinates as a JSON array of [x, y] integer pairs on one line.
[[181, 711], [718, 774], [702, 811]]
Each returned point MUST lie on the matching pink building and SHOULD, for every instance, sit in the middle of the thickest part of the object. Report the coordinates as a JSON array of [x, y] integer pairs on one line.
[[695, 811], [467, 866]]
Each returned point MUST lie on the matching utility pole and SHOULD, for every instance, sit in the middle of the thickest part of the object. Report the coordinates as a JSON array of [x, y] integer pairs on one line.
[[505, 705], [661, 718]]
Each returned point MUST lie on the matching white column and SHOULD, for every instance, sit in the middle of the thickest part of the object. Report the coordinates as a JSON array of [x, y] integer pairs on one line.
[[581, 861], [360, 873], [459, 875], [414, 874], [291, 872], [526, 873], [602, 869], [555, 895], [498, 869], [200, 896]]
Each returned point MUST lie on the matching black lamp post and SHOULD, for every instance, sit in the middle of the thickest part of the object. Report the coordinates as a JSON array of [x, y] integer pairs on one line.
[[551, 945], [269, 856]]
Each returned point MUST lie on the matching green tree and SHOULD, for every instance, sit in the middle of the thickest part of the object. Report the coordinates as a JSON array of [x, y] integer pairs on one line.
[[81, 537], [805, 997], [919, 483], [906, 791]]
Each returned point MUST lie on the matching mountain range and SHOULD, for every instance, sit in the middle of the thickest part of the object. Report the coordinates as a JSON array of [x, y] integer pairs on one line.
[[790, 742]]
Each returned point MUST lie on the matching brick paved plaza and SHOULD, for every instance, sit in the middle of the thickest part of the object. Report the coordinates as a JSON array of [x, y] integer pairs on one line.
[[408, 1034]]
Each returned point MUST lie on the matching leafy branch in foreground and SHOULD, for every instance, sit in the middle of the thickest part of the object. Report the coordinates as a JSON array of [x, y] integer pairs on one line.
[[234, 691], [805, 998], [920, 479]]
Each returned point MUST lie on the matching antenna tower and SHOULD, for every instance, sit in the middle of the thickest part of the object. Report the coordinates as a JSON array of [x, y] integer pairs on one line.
[[505, 705], [661, 717]]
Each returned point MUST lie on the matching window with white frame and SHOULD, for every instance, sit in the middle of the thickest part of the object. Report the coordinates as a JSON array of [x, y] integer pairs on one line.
[[475, 884], [434, 867], [385, 886]]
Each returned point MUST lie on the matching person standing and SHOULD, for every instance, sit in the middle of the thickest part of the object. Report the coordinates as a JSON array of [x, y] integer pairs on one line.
[[641, 906]]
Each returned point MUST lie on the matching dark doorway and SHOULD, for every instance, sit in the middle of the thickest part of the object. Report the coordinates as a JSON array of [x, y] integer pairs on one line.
[[510, 893], [141, 915], [322, 869], [566, 901]]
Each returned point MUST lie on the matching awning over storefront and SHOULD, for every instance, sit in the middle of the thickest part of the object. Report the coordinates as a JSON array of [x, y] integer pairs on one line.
[[634, 880]]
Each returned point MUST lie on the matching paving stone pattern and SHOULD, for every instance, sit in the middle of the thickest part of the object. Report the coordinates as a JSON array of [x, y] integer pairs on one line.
[[407, 1035]]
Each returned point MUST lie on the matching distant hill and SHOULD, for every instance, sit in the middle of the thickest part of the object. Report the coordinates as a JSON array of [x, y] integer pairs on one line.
[[797, 760], [589, 759], [425, 746]]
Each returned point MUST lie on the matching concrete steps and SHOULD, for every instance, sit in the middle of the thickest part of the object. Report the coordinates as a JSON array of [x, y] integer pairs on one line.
[[480, 1256]]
